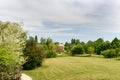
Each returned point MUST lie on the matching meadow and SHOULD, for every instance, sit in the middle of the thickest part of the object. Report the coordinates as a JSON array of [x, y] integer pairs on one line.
[[77, 68]]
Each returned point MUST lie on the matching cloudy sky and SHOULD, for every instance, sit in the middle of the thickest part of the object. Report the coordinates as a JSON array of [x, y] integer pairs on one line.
[[62, 20]]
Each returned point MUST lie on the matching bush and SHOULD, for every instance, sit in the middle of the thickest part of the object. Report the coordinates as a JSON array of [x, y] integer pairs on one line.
[[34, 54], [111, 53], [9, 67], [77, 50], [50, 54]]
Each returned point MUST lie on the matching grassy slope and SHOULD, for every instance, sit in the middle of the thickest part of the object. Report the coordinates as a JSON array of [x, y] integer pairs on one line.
[[77, 68]]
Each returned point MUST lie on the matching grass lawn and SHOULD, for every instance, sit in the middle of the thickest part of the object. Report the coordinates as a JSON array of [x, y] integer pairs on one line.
[[77, 68]]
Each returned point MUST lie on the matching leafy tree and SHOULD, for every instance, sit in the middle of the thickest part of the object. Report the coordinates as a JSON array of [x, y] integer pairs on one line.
[[68, 47], [103, 46], [90, 50], [12, 41], [34, 53], [88, 45], [82, 43], [49, 47], [97, 43], [115, 43], [78, 49]]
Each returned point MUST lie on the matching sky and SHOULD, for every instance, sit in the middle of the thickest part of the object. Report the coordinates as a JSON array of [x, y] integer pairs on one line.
[[63, 20]]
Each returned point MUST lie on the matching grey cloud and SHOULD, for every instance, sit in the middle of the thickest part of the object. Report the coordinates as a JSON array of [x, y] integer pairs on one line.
[[59, 12]]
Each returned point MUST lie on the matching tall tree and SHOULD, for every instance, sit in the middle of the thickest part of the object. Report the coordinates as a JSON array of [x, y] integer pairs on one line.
[[97, 43], [36, 39], [115, 43], [50, 48], [75, 41], [34, 53]]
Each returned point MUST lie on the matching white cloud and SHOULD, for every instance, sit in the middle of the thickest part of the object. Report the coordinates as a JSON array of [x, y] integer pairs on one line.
[[102, 15], [62, 34]]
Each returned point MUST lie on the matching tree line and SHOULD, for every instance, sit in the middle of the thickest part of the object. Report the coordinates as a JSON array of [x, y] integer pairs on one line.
[[99, 47], [46, 48]]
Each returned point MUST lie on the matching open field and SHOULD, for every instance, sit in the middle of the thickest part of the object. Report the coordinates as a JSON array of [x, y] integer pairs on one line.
[[77, 68]]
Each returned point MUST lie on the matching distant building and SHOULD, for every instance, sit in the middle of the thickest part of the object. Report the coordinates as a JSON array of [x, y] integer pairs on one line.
[[60, 48]]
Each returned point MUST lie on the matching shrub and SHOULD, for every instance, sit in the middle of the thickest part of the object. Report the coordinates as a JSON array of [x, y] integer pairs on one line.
[[117, 52], [111, 53], [34, 54], [9, 67], [78, 49], [50, 54]]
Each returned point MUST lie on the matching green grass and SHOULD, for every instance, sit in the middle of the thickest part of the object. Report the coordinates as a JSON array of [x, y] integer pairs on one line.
[[77, 68]]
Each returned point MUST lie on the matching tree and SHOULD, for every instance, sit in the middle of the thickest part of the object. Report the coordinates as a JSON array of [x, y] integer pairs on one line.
[[67, 46], [12, 41], [36, 39], [72, 41], [78, 49], [97, 43], [43, 41], [75, 41], [103, 46], [90, 50], [115, 43], [89, 44], [49, 47], [34, 54]]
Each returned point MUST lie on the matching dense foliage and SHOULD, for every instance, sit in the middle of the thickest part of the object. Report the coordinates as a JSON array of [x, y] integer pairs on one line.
[[12, 40], [78, 49], [9, 67], [111, 53], [49, 47], [99, 47], [34, 53]]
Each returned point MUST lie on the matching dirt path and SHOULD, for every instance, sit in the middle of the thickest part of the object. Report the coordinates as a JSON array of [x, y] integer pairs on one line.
[[25, 77]]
